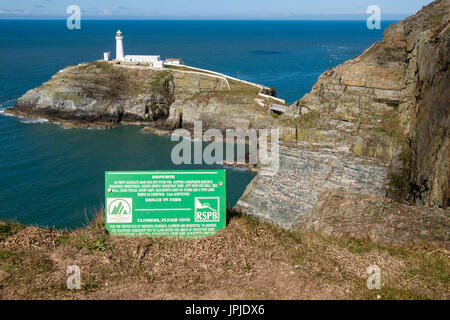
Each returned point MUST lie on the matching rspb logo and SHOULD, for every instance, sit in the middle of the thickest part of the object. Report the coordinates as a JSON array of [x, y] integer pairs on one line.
[[207, 209]]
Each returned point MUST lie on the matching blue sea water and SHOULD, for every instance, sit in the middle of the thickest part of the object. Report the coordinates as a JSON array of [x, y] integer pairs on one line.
[[52, 176]]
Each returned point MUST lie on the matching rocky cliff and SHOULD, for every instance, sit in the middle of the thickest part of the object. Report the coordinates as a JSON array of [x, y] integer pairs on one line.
[[374, 129], [394, 98], [377, 125], [106, 94]]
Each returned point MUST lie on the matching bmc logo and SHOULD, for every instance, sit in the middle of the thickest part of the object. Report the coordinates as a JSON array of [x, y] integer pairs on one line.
[[119, 210], [207, 209]]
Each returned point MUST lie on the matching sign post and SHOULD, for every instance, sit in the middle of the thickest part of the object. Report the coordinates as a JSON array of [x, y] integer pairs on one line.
[[165, 203]]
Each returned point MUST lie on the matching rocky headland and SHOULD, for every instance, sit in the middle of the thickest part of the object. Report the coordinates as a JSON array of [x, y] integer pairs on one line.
[[106, 94], [365, 153], [373, 128]]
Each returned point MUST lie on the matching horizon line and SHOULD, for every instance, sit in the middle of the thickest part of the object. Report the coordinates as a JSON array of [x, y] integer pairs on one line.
[[195, 19]]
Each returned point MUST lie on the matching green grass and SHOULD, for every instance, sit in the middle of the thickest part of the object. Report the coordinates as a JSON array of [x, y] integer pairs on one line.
[[88, 243], [236, 87], [62, 240], [185, 68], [359, 247], [4, 254], [9, 228], [105, 66], [160, 78], [431, 266]]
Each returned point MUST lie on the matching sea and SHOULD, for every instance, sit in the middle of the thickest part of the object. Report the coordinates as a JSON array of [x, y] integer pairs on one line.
[[54, 176]]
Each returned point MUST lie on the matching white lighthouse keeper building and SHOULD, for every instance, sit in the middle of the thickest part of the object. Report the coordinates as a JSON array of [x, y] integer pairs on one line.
[[119, 46], [154, 60]]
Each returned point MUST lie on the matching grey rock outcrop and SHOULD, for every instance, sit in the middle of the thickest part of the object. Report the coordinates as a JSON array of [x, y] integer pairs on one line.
[[293, 191], [377, 125]]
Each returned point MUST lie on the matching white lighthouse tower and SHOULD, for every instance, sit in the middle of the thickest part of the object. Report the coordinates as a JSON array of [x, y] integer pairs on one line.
[[119, 46]]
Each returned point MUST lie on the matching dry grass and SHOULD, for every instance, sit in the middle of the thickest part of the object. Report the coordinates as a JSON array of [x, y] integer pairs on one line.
[[247, 260], [238, 88]]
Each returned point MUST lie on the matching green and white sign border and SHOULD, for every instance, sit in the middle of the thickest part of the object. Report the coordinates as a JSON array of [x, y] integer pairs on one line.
[[117, 204]]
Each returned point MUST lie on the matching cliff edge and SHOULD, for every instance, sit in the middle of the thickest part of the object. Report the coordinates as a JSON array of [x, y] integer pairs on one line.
[[374, 127], [401, 87]]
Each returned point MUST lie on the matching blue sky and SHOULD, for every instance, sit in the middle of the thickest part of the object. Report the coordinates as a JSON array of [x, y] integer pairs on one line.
[[209, 9]]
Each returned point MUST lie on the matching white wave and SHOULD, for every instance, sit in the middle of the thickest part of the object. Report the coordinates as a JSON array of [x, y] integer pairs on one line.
[[2, 111], [235, 168], [33, 120], [62, 126], [23, 119]]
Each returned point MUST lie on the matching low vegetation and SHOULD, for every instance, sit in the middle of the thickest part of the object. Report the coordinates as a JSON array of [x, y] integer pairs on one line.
[[237, 88], [247, 260]]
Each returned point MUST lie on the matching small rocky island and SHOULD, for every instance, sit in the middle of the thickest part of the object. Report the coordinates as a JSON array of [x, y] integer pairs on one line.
[[365, 153], [106, 94]]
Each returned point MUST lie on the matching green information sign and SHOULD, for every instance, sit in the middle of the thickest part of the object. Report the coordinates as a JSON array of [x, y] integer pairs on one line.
[[165, 203]]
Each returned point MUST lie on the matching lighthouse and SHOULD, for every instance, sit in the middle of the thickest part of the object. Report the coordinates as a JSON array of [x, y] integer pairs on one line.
[[151, 61], [119, 46]]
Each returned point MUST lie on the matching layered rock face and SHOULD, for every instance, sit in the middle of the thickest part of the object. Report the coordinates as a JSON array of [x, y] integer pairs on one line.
[[304, 173], [394, 99], [221, 112], [428, 83], [102, 94], [376, 125]]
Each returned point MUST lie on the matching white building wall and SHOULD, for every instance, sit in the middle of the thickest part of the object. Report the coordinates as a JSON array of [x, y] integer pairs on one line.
[[154, 60], [158, 64], [141, 58]]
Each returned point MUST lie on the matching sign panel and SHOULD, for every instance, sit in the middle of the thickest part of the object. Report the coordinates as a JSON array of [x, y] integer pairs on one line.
[[165, 203]]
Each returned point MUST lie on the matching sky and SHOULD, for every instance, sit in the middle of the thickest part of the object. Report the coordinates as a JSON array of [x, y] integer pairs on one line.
[[210, 9]]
